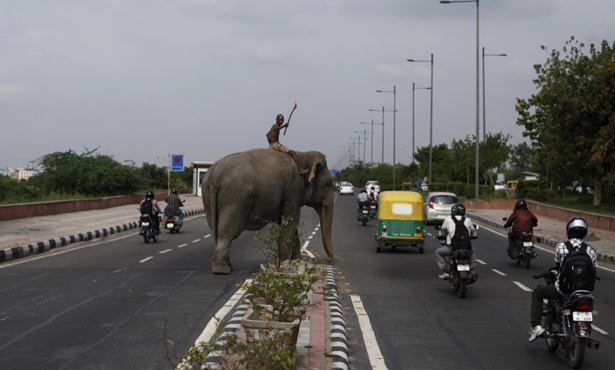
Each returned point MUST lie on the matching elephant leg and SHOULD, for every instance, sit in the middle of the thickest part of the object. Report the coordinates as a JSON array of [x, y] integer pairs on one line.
[[295, 248], [221, 263]]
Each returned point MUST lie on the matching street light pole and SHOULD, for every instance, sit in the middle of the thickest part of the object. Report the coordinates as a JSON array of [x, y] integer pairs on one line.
[[371, 163], [430, 114], [364, 144], [378, 110], [484, 105], [476, 192], [394, 91]]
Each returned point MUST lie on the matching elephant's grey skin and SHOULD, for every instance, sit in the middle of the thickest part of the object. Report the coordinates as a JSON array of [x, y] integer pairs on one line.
[[242, 189]]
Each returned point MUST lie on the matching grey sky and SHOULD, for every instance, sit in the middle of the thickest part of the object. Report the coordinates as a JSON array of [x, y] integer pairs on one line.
[[205, 78]]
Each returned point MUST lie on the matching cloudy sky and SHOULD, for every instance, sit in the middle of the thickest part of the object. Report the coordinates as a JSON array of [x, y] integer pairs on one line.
[[140, 79]]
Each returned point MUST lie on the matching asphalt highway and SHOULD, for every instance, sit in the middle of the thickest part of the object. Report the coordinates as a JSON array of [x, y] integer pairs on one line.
[[419, 322]]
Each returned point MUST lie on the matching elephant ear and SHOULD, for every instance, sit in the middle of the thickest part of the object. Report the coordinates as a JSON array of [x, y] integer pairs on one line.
[[309, 185]]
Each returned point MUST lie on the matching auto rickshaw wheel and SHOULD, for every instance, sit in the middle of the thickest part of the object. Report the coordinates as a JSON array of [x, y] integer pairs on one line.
[[421, 250], [378, 249]]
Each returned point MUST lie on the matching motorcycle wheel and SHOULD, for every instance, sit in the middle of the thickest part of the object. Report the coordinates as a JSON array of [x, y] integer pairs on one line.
[[146, 236], [547, 323], [518, 261], [576, 352], [155, 237], [527, 261], [462, 288], [364, 221], [171, 231]]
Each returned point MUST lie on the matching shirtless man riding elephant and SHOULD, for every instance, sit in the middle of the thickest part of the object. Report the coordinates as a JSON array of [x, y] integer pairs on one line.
[[274, 135]]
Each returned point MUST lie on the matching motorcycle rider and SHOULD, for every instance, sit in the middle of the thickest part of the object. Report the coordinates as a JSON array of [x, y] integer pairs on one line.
[[448, 228], [521, 220], [174, 201], [576, 230], [364, 200], [155, 209]]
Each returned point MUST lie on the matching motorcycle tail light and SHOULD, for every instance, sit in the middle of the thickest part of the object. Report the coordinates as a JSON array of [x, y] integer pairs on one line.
[[528, 238], [431, 204], [583, 305], [463, 262], [384, 228]]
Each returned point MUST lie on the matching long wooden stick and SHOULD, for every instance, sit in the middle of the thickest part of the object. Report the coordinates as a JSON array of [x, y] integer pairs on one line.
[[291, 114]]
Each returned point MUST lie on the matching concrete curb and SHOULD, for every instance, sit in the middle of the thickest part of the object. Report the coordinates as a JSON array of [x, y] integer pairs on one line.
[[8, 254], [339, 343], [538, 238]]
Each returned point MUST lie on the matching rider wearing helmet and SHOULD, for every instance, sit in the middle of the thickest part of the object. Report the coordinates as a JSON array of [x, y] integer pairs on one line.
[[174, 201], [521, 220], [364, 200], [576, 230], [448, 228], [155, 209]]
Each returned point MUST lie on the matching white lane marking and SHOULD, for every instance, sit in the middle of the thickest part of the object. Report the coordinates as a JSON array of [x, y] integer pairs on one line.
[[429, 234], [481, 262], [198, 240], [522, 286], [310, 237], [165, 251], [599, 330], [207, 236], [304, 248], [147, 259], [498, 272], [373, 351], [181, 246], [314, 232], [211, 327]]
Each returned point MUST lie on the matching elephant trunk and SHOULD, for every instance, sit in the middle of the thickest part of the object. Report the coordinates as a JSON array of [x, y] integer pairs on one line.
[[325, 212]]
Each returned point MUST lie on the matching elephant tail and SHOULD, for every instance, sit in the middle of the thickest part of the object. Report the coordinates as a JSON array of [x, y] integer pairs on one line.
[[213, 212]]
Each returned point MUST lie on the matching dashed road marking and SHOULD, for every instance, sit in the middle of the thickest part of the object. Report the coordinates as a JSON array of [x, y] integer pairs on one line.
[[207, 236], [599, 330], [522, 286], [481, 262], [165, 251], [181, 246], [371, 344], [146, 259], [498, 272], [198, 240]]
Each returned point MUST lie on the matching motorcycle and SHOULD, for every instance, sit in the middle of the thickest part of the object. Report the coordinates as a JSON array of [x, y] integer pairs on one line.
[[171, 220], [147, 228], [523, 249], [374, 208], [461, 268], [568, 322], [364, 215]]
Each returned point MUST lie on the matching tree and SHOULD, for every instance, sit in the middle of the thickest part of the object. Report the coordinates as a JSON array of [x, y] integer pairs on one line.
[[89, 173], [572, 117], [463, 154], [522, 156], [493, 152], [440, 163]]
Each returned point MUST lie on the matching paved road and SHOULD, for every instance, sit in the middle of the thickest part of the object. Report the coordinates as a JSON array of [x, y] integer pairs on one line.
[[419, 322]]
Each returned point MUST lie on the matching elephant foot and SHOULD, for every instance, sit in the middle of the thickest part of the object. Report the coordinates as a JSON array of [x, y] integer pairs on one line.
[[218, 268]]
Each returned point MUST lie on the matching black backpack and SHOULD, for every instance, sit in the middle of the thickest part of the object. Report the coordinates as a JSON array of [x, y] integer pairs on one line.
[[577, 270], [461, 238], [147, 207]]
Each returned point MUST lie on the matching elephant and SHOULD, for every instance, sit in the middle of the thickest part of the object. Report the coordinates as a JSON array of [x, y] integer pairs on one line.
[[244, 190]]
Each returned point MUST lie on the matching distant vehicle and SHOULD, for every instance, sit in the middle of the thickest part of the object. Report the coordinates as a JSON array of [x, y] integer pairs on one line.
[[346, 188], [437, 206], [424, 186], [336, 186], [511, 185], [499, 186], [375, 184]]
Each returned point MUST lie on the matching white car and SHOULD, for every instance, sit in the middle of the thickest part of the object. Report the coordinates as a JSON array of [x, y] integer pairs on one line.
[[374, 184], [437, 206], [346, 188], [499, 186]]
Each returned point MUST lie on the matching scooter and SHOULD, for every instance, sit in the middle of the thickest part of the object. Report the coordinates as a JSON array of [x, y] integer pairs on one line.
[[568, 322], [523, 249], [374, 208], [364, 215], [171, 220]]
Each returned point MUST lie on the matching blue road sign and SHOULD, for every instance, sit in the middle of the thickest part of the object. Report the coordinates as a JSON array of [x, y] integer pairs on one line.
[[332, 171], [177, 162]]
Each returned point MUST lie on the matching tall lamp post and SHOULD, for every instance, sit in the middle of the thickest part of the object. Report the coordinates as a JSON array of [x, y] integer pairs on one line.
[[372, 144], [394, 91], [430, 111], [353, 139], [378, 110], [484, 110], [417, 88], [476, 193], [364, 143]]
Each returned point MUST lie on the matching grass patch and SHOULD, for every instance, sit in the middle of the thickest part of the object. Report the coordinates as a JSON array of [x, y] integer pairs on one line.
[[572, 203]]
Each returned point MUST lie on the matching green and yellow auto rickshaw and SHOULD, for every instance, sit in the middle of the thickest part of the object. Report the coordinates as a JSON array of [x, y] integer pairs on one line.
[[400, 220]]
